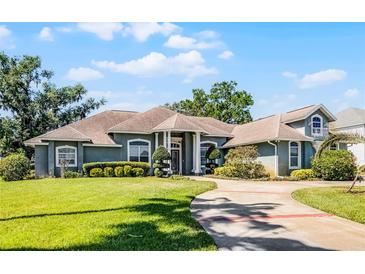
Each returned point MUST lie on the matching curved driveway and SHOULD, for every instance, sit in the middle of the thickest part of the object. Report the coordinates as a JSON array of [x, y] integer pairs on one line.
[[263, 216]]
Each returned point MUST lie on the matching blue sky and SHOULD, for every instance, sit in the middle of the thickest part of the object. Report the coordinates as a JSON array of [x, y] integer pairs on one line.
[[138, 66]]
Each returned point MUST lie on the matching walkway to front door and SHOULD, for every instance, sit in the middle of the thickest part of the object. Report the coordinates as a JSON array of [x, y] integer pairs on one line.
[[263, 216]]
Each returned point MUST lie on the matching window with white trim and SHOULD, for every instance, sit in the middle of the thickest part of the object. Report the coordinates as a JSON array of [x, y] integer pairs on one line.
[[294, 155], [139, 151], [204, 147], [66, 155], [317, 125]]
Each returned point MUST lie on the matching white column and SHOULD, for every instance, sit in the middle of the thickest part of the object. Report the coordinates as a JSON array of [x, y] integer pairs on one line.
[[156, 140], [169, 147], [164, 139], [194, 158], [169, 141], [197, 154]]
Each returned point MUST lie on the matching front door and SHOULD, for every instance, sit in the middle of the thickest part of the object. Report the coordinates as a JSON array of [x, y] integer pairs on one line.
[[175, 161]]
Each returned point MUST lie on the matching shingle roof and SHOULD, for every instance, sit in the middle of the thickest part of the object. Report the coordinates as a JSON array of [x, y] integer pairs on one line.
[[179, 122], [267, 129], [143, 122], [304, 112], [349, 117], [91, 129]]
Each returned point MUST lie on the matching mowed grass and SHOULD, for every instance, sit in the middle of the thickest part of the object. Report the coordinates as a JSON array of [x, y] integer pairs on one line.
[[336, 201], [101, 214]]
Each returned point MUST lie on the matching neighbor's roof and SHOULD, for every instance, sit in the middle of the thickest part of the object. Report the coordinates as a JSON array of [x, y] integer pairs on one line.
[[349, 117], [262, 130], [304, 112], [91, 129]]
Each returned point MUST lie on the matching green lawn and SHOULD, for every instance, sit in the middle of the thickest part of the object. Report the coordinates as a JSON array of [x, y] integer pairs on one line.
[[101, 214], [334, 200]]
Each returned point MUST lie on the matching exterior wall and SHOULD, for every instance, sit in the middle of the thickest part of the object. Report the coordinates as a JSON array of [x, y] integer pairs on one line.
[[357, 149], [57, 170], [41, 161], [304, 126], [308, 152], [102, 154], [267, 157], [283, 158], [122, 139]]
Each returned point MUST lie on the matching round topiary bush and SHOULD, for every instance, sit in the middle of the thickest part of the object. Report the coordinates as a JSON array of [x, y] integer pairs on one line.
[[14, 167], [108, 172], [137, 171], [335, 165], [160, 155], [128, 171], [96, 172], [118, 171]]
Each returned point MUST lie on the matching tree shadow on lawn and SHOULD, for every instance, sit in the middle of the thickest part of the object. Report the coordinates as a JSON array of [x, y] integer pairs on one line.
[[251, 219], [173, 228]]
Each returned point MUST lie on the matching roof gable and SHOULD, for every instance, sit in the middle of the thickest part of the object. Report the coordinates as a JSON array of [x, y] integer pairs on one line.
[[305, 112], [349, 117]]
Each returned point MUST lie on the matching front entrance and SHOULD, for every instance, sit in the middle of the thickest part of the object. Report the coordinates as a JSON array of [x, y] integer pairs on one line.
[[175, 161]]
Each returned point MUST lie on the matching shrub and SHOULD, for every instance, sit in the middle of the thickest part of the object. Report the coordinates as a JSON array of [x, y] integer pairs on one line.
[[128, 171], [118, 171], [335, 165], [160, 155], [96, 172], [241, 162], [72, 174], [302, 174], [88, 166], [30, 175], [137, 171], [108, 172], [14, 167], [213, 153], [157, 172]]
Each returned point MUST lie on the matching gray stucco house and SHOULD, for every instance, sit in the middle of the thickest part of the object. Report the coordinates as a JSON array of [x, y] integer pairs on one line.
[[285, 141]]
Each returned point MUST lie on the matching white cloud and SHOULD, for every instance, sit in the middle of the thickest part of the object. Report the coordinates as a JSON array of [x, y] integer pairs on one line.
[[189, 64], [142, 31], [289, 74], [46, 34], [207, 34], [83, 74], [227, 54], [321, 78], [183, 42], [352, 92], [104, 31], [6, 40], [65, 29]]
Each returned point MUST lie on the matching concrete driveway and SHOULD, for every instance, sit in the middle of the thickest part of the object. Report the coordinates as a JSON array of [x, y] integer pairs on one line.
[[263, 216]]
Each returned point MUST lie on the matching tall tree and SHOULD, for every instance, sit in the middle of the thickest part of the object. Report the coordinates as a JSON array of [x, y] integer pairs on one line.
[[34, 104], [224, 102]]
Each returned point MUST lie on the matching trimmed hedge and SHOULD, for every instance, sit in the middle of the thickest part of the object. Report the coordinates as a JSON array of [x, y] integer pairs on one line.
[[96, 172], [302, 174], [118, 171], [72, 174], [108, 172], [88, 166], [137, 171]]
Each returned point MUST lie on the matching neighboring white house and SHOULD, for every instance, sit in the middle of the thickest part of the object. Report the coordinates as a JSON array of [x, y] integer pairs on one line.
[[352, 120]]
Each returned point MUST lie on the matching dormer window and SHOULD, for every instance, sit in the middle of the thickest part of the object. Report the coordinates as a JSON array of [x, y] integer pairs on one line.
[[317, 125]]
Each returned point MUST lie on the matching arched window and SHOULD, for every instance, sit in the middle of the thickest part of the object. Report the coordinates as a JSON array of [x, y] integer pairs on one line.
[[204, 146], [294, 155], [139, 150], [317, 125], [66, 155]]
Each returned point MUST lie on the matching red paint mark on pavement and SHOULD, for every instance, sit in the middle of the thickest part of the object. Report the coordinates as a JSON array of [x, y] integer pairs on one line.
[[263, 217]]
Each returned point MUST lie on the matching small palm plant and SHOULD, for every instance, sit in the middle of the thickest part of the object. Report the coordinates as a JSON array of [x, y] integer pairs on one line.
[[347, 138]]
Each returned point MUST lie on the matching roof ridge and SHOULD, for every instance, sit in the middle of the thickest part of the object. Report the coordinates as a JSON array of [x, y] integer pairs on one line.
[[312, 105], [78, 131]]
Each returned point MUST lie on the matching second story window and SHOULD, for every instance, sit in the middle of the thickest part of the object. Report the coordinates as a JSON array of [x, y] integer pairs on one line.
[[317, 125]]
